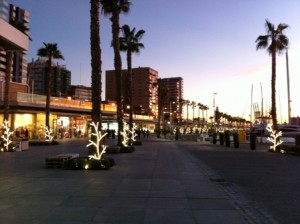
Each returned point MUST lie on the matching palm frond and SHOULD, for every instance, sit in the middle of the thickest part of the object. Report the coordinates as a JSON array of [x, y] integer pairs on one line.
[[262, 42]]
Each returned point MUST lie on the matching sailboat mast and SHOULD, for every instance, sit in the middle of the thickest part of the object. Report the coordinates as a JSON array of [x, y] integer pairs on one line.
[[262, 101], [251, 104]]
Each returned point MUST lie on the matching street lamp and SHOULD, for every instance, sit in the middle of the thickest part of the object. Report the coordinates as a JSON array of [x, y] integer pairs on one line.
[[170, 112], [288, 87]]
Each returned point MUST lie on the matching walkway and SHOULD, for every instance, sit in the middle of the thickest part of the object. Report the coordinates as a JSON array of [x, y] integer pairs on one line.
[[158, 183]]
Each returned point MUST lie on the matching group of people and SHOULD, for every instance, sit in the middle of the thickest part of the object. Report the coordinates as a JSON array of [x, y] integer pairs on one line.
[[111, 133], [143, 132], [22, 132]]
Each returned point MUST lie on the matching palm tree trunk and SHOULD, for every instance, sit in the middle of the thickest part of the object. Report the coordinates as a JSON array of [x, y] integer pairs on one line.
[[273, 88], [187, 113], [129, 65], [118, 70], [96, 63], [48, 93], [9, 61]]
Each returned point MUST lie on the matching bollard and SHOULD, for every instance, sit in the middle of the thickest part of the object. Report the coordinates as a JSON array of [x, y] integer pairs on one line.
[[236, 140], [227, 138], [214, 138], [252, 141]]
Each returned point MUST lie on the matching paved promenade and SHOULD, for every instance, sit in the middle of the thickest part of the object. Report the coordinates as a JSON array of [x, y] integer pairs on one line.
[[158, 183]]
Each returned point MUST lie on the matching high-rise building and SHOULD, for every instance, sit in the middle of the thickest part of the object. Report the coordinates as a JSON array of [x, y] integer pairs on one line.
[[144, 89], [11, 15], [172, 103], [60, 78]]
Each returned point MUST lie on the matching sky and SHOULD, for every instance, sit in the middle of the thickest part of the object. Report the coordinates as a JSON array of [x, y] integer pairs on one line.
[[210, 44]]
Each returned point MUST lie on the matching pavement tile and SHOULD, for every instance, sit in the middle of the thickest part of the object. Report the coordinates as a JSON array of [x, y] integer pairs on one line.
[[85, 201], [75, 213], [219, 217], [210, 204], [169, 215], [120, 215], [118, 203], [171, 193], [131, 193], [168, 203]]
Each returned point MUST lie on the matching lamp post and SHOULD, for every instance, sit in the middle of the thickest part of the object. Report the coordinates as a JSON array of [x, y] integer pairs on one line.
[[170, 114], [288, 87]]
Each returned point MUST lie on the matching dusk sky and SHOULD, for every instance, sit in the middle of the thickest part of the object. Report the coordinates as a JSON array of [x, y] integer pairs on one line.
[[210, 44]]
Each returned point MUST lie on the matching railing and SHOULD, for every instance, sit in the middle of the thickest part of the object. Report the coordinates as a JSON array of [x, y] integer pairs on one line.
[[60, 102]]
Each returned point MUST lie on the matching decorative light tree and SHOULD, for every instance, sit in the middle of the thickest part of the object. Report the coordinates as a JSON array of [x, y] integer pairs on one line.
[[49, 134], [274, 137], [6, 137], [128, 135], [100, 149]]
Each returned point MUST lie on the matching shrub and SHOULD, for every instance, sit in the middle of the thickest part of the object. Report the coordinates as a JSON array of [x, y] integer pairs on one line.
[[78, 163], [297, 139], [84, 163], [37, 142], [291, 149], [112, 149], [127, 149]]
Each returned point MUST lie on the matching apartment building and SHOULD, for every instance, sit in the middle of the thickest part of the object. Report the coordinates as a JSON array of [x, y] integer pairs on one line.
[[172, 104], [144, 90], [9, 15], [60, 78]]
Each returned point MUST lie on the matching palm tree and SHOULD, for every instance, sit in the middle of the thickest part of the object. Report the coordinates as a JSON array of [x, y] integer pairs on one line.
[[275, 42], [187, 103], [202, 108], [115, 8], [130, 44], [96, 62], [206, 108], [51, 52], [9, 61], [193, 104]]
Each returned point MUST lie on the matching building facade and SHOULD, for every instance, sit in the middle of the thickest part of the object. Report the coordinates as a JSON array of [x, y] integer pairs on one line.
[[80, 92], [172, 103], [60, 78], [144, 90], [11, 14]]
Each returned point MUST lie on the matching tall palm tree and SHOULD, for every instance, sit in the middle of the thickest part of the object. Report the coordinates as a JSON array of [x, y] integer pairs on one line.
[[114, 8], [275, 42], [9, 62], [200, 107], [96, 62], [187, 103], [51, 52], [193, 104], [206, 108], [130, 43]]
